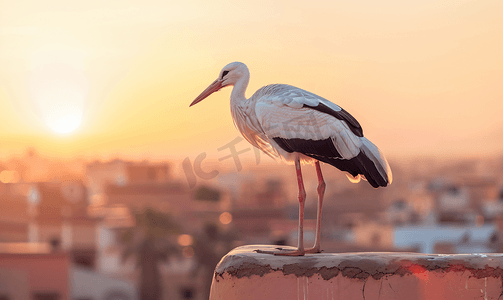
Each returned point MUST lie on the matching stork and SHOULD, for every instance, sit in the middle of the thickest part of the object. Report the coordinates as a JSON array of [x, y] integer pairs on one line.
[[298, 126]]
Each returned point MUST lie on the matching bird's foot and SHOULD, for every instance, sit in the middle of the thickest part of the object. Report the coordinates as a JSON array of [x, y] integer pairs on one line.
[[314, 250], [283, 252]]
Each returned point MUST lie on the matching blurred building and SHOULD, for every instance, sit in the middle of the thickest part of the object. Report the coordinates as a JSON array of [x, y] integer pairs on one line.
[[49, 212], [88, 284], [14, 216], [59, 215], [494, 209], [257, 193], [39, 276], [131, 186], [120, 172], [401, 212], [40, 272], [353, 205], [34, 168], [460, 199], [14, 284], [448, 239]]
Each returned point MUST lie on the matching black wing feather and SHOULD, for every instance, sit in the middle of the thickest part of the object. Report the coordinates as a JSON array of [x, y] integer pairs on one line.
[[325, 151], [341, 115], [313, 148]]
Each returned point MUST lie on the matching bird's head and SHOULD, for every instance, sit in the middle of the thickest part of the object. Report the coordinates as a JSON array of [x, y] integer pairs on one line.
[[229, 75]]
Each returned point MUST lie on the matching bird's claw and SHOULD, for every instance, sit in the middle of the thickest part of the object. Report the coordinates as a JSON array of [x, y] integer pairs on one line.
[[285, 252], [314, 250]]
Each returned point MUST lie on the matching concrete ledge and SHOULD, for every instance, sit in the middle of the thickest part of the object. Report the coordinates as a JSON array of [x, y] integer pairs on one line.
[[243, 274]]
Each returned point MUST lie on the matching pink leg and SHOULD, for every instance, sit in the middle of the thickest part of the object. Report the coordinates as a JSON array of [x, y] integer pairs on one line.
[[302, 200], [321, 191]]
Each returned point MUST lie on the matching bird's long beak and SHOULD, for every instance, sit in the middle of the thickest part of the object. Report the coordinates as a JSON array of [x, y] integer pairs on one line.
[[215, 86]]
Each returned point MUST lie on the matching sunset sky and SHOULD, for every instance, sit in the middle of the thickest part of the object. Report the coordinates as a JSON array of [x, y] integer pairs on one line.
[[115, 78]]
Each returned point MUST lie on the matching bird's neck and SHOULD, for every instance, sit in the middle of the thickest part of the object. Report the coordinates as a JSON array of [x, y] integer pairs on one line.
[[238, 92]]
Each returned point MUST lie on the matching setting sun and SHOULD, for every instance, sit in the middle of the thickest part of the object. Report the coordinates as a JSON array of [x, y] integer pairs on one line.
[[59, 87], [64, 121]]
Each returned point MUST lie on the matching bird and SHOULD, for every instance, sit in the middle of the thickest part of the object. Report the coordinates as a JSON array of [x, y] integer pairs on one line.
[[300, 127]]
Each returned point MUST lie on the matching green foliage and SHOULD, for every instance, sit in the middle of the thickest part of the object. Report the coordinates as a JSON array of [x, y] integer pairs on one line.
[[156, 223], [207, 194]]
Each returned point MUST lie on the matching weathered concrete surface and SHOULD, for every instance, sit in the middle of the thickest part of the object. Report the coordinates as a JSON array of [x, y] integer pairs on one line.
[[244, 275]]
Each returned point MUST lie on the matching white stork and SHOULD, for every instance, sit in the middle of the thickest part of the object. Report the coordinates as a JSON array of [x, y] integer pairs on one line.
[[299, 126]]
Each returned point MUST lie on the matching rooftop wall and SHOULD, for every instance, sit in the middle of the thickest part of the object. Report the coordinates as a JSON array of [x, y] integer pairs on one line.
[[244, 274]]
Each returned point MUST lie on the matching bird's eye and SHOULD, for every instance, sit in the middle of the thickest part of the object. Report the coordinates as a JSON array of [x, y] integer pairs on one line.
[[224, 73]]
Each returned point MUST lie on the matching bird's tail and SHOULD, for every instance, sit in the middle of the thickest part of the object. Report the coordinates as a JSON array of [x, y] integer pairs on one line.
[[373, 165]]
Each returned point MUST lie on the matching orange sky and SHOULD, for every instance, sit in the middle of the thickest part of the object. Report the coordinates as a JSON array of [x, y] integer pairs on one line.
[[422, 77]]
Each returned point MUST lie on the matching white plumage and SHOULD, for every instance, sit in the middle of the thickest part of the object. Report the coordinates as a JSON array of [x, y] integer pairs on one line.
[[284, 116], [296, 125]]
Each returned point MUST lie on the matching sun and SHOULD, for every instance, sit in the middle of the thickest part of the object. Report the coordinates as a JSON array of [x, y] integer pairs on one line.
[[59, 87], [65, 118]]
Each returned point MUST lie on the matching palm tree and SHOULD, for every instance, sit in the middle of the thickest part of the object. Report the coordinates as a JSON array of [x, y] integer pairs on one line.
[[209, 248], [149, 241]]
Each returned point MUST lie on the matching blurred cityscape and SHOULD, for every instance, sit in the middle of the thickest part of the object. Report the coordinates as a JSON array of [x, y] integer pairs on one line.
[[122, 229]]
